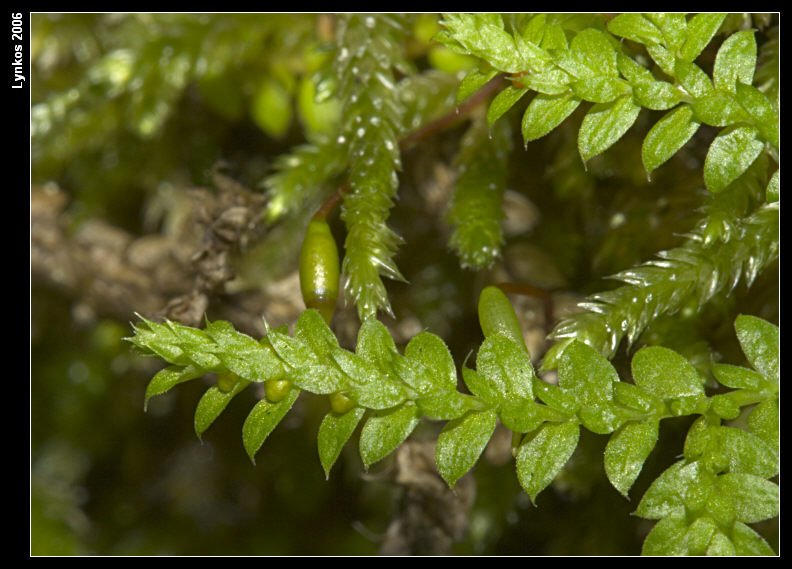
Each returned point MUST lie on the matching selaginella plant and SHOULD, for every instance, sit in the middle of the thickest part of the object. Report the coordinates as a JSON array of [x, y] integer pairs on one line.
[[701, 75]]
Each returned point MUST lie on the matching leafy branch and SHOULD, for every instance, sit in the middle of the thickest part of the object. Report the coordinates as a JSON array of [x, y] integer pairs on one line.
[[721, 483]]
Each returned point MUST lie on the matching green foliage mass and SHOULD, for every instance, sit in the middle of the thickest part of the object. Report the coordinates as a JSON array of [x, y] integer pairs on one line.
[[672, 122]]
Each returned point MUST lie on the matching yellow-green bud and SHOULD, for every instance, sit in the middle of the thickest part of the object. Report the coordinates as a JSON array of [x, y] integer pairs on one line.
[[340, 403], [276, 389], [226, 381]]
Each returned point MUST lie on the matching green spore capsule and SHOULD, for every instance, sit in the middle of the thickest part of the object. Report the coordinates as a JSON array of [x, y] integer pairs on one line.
[[319, 269], [497, 316]]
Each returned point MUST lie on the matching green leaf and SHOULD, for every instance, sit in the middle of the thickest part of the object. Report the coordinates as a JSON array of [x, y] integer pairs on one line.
[[588, 376], [701, 28], [718, 108], [680, 484], [760, 341], [169, 377], [504, 101], [721, 545], [386, 430], [461, 443], [472, 82], [627, 450], [773, 191], [542, 456], [375, 344], [415, 374], [736, 377], [319, 379], [358, 369], [633, 397], [599, 89], [604, 124], [674, 28], [667, 136], [700, 437], [635, 27], [263, 419], [334, 432], [762, 112], [448, 405], [699, 535], [554, 38], [730, 154], [292, 350], [430, 350], [522, 416], [595, 52], [197, 345], [554, 81], [480, 387], [764, 422], [212, 403], [158, 339], [735, 61], [556, 397], [667, 537], [483, 35], [312, 330], [381, 393], [665, 374], [692, 78], [507, 368], [545, 113], [656, 95], [664, 59], [534, 58], [497, 317], [748, 498], [747, 453], [748, 542]]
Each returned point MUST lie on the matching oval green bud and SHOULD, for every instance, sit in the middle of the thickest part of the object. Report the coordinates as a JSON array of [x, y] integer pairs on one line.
[[319, 269], [340, 403], [226, 381], [276, 389], [497, 316]]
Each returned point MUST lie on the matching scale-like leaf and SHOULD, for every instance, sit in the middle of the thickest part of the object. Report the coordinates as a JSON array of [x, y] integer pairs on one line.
[[730, 154], [263, 419], [604, 124], [212, 403], [667, 136], [541, 458], [665, 374], [545, 112], [386, 430], [461, 443], [334, 432], [627, 451], [760, 342]]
